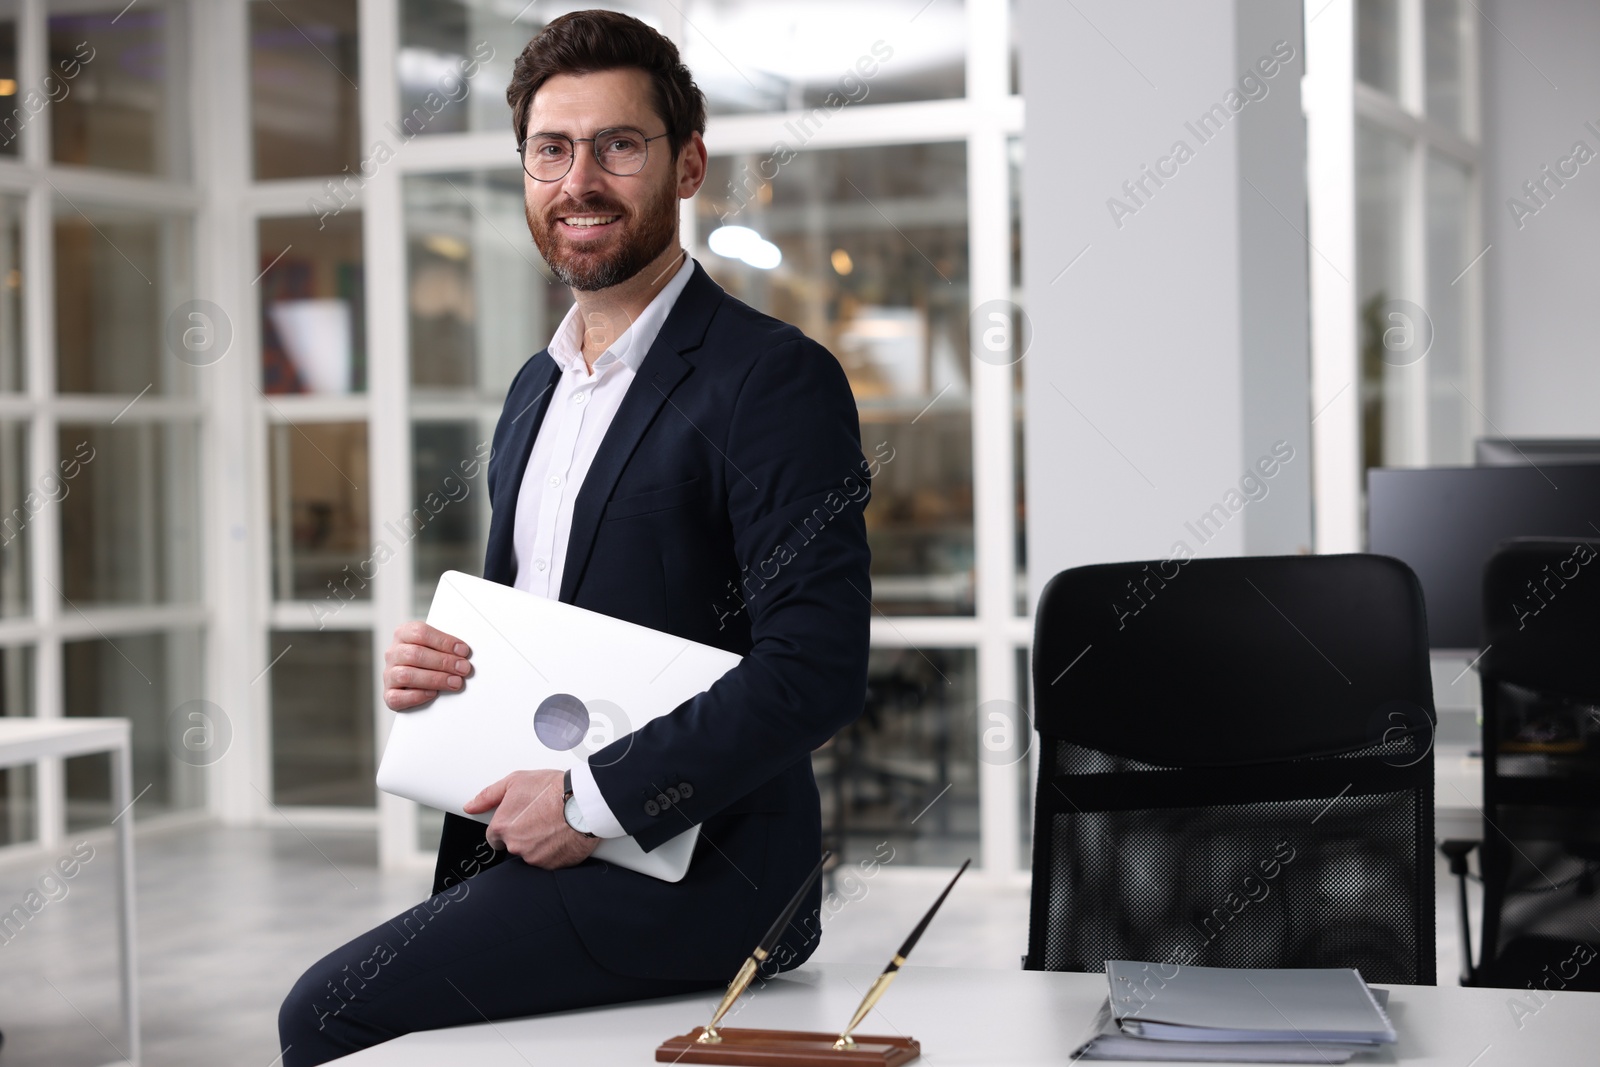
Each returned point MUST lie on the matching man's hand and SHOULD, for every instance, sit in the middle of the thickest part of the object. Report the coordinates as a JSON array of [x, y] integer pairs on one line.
[[422, 662], [530, 823]]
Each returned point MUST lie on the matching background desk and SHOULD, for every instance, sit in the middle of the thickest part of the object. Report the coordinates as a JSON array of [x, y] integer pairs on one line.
[[973, 1018], [1457, 791], [30, 740]]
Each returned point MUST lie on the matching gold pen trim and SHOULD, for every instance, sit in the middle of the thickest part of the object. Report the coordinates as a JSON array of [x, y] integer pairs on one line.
[[761, 954], [879, 985], [735, 987]]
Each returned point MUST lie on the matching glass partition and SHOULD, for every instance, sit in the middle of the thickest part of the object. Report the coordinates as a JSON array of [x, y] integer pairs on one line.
[[481, 303], [1417, 275], [18, 808], [118, 273], [118, 98], [150, 679], [1450, 416], [305, 116], [130, 513], [19, 503], [100, 454], [448, 525], [13, 360], [1378, 44], [322, 546], [1381, 166], [824, 55], [313, 305], [1446, 28], [904, 777], [322, 704], [865, 249], [11, 112], [456, 56], [480, 299]]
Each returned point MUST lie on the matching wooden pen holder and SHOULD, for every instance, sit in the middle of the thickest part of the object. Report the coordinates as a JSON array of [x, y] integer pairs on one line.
[[787, 1048]]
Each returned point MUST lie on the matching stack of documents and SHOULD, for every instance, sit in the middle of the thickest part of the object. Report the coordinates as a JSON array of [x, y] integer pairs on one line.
[[1210, 1014]]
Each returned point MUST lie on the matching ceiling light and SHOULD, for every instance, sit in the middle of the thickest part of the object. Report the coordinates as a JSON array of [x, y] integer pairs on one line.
[[744, 244]]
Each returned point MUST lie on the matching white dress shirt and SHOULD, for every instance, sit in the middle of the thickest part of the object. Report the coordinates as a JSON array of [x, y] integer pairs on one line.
[[582, 405]]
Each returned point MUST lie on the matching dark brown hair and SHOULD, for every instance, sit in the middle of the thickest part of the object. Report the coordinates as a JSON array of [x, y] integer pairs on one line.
[[586, 42]]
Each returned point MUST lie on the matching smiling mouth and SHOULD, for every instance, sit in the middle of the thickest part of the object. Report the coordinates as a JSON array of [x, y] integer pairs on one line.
[[584, 222]]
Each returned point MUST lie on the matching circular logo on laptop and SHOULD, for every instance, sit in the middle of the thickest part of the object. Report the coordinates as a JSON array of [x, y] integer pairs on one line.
[[561, 722]]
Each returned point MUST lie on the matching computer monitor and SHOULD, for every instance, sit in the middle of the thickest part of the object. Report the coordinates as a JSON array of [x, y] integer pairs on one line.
[[1535, 451], [1444, 522]]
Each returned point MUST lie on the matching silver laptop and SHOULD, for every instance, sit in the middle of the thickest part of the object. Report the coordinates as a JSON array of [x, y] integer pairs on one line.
[[552, 685]]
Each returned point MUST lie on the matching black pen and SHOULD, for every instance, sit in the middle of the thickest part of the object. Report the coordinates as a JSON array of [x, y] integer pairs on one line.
[[882, 981], [760, 955]]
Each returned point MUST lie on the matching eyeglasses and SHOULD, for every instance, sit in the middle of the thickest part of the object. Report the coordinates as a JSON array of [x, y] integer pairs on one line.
[[621, 150]]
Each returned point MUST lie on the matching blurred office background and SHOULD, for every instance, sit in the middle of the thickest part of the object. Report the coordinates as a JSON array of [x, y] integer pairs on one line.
[[264, 278]]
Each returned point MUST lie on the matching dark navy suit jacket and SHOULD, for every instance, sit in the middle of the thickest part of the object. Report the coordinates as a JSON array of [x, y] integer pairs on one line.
[[724, 506]]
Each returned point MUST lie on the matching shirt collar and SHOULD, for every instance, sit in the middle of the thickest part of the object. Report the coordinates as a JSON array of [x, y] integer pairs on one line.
[[566, 347]]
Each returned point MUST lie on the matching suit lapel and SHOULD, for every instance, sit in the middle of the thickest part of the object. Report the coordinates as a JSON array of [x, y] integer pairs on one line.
[[659, 374], [499, 560]]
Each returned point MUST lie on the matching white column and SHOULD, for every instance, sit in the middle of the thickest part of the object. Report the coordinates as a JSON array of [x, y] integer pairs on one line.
[[1329, 92], [1272, 283], [388, 382], [39, 346], [989, 254], [1166, 285], [234, 540]]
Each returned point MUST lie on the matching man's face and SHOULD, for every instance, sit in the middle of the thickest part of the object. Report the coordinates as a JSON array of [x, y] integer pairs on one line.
[[596, 229]]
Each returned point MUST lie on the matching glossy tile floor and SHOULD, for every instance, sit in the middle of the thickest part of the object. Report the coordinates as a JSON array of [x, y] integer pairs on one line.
[[228, 919]]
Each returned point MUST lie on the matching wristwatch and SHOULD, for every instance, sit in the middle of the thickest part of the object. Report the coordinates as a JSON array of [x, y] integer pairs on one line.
[[570, 808]]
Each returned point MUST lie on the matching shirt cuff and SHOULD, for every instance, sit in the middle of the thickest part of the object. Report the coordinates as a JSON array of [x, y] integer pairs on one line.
[[596, 812]]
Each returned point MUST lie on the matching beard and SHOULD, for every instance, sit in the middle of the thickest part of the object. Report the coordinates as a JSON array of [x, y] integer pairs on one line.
[[640, 237]]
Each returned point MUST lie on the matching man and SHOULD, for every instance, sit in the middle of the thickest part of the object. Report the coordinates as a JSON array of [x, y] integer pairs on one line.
[[678, 460]]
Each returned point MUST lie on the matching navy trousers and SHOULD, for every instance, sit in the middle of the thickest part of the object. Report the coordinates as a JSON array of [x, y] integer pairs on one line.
[[496, 946]]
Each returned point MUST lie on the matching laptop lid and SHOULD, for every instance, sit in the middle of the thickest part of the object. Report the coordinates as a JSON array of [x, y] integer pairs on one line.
[[552, 685]]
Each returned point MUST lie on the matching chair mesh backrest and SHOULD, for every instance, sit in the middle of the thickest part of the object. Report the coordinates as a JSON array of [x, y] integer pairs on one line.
[[1229, 812], [1282, 883], [1541, 720]]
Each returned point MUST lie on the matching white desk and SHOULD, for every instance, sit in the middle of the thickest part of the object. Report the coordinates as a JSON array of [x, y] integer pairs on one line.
[[30, 740], [973, 1018], [1457, 792]]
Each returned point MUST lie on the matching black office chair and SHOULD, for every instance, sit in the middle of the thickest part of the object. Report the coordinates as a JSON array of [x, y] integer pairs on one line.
[[1235, 767], [1540, 858]]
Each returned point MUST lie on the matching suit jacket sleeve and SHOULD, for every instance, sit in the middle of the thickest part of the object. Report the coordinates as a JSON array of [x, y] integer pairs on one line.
[[796, 488]]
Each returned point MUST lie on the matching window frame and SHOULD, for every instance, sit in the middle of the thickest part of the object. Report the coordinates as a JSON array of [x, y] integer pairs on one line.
[[1337, 103], [985, 119], [41, 184]]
